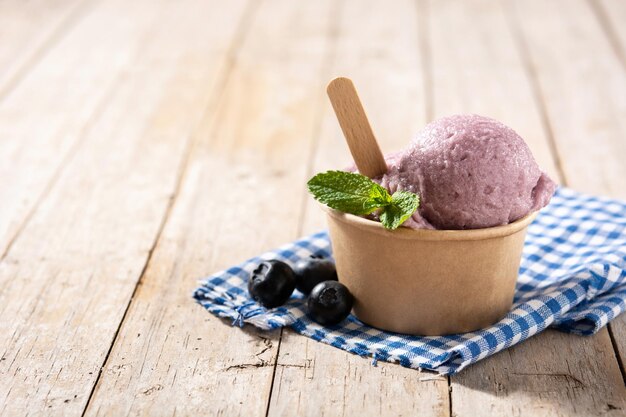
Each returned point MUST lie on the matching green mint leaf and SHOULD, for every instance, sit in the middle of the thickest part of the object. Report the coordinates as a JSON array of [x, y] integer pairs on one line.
[[403, 205], [357, 194], [379, 196], [348, 192]]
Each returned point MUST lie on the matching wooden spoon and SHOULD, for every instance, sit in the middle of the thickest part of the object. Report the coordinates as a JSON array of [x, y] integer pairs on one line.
[[356, 128]]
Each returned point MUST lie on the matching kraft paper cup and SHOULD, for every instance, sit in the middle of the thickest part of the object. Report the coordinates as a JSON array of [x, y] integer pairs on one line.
[[427, 282]]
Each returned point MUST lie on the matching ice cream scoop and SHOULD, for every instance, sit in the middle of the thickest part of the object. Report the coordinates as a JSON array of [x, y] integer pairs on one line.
[[471, 172]]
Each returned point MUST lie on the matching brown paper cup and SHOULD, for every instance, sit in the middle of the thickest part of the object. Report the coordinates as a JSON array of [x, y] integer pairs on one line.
[[427, 282]]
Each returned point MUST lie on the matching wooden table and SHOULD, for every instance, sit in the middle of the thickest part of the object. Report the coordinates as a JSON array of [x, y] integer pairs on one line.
[[146, 144]]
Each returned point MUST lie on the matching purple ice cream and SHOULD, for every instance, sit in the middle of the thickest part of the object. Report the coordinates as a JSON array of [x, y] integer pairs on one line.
[[470, 172]]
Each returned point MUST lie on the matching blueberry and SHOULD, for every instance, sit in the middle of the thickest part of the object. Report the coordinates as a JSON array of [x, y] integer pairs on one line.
[[272, 283], [313, 270], [330, 302]]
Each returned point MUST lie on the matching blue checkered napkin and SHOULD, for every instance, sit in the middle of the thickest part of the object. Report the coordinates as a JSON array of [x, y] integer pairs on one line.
[[572, 277]]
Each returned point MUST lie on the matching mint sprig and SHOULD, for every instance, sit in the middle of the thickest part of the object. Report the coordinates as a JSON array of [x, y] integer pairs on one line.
[[357, 194]]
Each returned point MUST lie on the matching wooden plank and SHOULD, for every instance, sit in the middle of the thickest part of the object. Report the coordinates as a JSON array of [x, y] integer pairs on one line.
[[313, 379], [68, 278], [382, 56], [487, 76], [43, 119], [477, 69], [27, 30], [617, 331], [241, 195], [584, 89], [553, 374]]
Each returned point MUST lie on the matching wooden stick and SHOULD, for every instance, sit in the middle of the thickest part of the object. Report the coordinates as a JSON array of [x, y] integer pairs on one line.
[[356, 128]]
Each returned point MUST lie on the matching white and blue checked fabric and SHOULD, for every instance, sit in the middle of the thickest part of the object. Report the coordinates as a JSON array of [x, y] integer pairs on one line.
[[572, 277]]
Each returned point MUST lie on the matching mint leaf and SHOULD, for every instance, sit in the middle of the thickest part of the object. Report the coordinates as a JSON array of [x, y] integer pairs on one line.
[[403, 205], [348, 192], [379, 196], [357, 194]]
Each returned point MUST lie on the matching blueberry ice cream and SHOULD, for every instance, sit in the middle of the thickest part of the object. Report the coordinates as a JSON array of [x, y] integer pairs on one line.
[[470, 172]]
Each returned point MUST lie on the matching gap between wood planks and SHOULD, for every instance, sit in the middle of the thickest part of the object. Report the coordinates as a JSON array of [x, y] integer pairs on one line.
[[154, 125], [352, 59], [618, 358], [335, 18], [613, 39], [180, 177], [180, 174], [62, 28], [537, 94], [64, 163], [73, 18], [549, 153], [240, 34]]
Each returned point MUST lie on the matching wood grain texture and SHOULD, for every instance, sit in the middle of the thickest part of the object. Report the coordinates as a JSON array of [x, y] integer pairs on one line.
[[477, 68], [582, 84], [45, 117], [488, 77], [584, 88], [235, 201], [28, 30], [617, 331], [68, 279], [553, 374], [388, 66], [314, 379], [145, 144]]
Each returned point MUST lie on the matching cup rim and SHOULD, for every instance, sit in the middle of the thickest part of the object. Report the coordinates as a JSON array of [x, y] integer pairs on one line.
[[430, 234]]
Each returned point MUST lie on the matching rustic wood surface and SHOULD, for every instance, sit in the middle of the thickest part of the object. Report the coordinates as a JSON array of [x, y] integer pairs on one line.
[[145, 144]]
